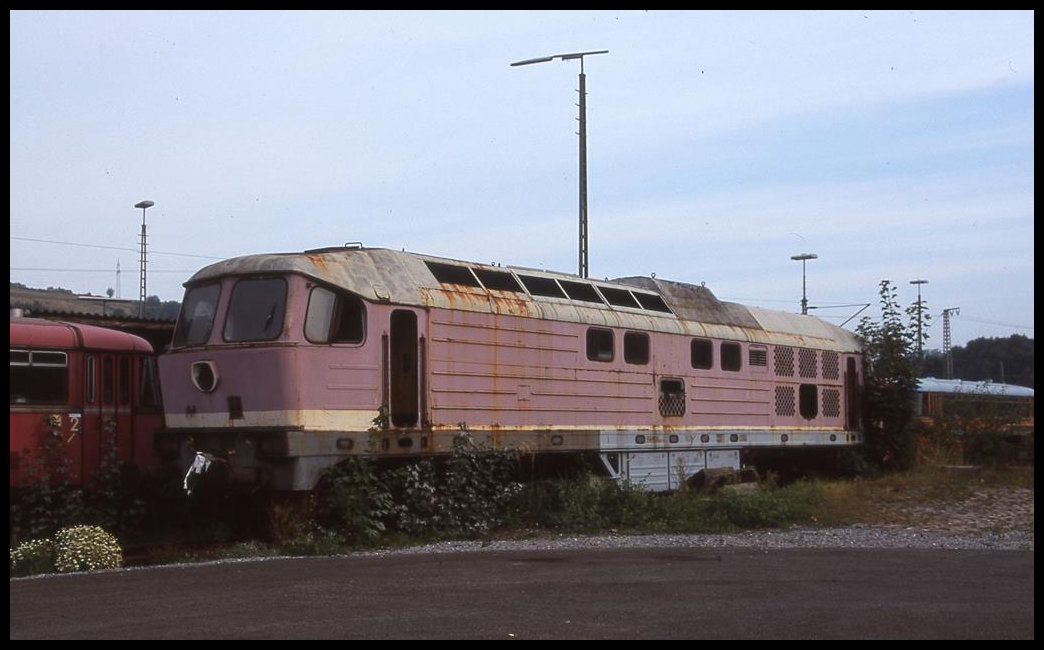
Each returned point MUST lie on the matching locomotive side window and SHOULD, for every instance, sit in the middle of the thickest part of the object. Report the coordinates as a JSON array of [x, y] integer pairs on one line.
[[334, 317], [702, 354], [39, 377], [599, 345], [731, 356], [255, 310], [197, 316], [636, 348]]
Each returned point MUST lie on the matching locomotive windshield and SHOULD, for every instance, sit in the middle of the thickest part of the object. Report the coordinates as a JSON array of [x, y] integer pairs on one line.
[[197, 316], [255, 310]]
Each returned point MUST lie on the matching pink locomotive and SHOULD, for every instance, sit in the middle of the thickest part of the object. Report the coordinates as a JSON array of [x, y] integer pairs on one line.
[[283, 365]]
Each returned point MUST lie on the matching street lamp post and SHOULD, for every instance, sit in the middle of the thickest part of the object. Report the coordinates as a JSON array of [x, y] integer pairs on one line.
[[804, 257], [583, 142], [919, 313], [144, 205]]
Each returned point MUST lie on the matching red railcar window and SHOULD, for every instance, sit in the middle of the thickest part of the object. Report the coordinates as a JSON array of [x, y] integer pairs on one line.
[[123, 381], [148, 383], [39, 377], [90, 382], [107, 380]]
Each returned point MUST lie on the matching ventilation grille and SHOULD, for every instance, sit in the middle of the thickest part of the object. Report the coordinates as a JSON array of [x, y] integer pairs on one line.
[[784, 362], [807, 363], [831, 365], [831, 402], [785, 400]]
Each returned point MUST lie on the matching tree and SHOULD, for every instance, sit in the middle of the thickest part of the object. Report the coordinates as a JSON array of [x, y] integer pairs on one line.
[[891, 363], [1002, 360]]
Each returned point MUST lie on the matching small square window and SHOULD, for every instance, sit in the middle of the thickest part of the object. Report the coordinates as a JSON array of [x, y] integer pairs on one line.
[[702, 352], [599, 345], [636, 348], [731, 356]]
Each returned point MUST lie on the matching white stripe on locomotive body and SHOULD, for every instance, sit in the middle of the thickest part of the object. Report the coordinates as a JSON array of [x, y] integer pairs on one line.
[[507, 363]]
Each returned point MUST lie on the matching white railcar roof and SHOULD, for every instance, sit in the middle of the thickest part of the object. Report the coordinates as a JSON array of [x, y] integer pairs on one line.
[[968, 387]]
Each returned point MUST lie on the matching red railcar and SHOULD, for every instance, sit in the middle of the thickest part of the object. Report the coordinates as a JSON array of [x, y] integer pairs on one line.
[[83, 387]]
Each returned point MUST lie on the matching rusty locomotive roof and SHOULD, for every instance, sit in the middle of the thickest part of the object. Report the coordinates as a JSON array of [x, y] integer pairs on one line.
[[405, 278]]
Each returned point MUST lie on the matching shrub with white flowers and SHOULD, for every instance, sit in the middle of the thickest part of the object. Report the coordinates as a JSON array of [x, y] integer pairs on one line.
[[86, 548], [31, 557]]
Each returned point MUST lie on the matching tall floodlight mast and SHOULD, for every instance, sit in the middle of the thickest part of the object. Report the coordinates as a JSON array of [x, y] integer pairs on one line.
[[583, 143], [144, 205]]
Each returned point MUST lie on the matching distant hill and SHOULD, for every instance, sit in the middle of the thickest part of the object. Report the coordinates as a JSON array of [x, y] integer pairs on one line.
[[56, 301]]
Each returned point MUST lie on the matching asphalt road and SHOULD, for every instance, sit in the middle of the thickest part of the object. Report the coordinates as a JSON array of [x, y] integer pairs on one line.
[[688, 593]]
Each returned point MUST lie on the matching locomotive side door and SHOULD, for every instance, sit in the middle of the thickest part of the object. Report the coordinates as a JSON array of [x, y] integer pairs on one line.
[[403, 364]]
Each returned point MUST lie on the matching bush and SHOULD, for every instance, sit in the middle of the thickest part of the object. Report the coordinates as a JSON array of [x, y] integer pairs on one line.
[[587, 504], [32, 557], [86, 548], [762, 508], [466, 494], [352, 502]]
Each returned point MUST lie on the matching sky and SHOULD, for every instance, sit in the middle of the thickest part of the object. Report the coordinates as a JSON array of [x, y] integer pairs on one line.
[[893, 145]]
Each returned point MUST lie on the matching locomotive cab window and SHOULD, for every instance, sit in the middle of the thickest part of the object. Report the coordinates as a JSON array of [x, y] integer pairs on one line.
[[255, 310], [334, 317], [599, 345], [197, 316]]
